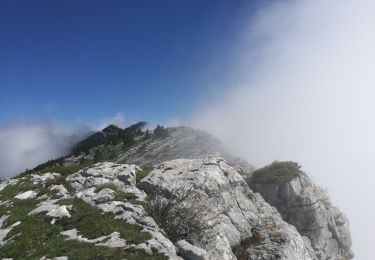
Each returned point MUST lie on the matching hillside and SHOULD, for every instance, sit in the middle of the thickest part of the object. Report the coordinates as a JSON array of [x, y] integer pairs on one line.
[[171, 193], [136, 144]]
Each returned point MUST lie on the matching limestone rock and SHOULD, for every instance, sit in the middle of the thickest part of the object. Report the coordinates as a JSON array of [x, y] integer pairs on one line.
[[190, 252], [26, 195], [307, 207], [123, 177], [246, 209], [4, 231], [105, 173]]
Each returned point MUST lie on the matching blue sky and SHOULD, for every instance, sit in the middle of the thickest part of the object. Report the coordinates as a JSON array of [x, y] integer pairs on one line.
[[88, 60]]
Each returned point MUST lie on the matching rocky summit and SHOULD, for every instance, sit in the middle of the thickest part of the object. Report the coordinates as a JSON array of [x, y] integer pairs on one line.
[[169, 193]]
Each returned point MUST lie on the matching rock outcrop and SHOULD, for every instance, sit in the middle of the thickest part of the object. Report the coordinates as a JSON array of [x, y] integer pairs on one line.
[[57, 208], [246, 211], [97, 203], [307, 207], [121, 178]]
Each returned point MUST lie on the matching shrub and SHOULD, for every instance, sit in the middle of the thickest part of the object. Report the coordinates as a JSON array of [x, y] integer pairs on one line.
[[277, 172], [183, 213]]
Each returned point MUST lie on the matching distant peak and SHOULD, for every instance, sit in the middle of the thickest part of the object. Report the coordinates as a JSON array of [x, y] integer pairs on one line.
[[112, 129]]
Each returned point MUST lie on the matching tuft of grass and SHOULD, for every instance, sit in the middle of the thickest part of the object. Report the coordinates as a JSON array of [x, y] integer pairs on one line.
[[108, 186], [277, 172], [142, 173], [121, 195], [93, 223]]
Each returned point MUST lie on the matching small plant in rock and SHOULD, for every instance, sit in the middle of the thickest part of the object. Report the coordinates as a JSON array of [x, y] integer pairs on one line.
[[140, 174], [111, 186], [184, 212]]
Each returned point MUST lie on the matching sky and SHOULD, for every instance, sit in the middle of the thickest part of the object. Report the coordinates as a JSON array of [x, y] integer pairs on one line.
[[87, 60], [273, 79]]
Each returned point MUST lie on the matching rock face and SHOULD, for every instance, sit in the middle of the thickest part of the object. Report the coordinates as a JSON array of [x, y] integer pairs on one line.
[[122, 176], [307, 207], [246, 211]]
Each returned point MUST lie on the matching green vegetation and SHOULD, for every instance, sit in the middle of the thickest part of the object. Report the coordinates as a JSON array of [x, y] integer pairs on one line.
[[119, 194], [10, 191], [160, 132], [35, 237], [108, 186], [98, 156], [111, 135], [142, 173], [95, 145], [93, 223], [62, 169], [277, 172], [66, 169]]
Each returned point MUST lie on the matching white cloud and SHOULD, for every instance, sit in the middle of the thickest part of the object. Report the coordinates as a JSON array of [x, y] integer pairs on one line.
[[26, 144], [307, 93]]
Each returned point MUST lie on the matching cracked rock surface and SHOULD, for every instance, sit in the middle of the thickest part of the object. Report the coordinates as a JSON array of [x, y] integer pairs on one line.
[[244, 221], [307, 207], [247, 210]]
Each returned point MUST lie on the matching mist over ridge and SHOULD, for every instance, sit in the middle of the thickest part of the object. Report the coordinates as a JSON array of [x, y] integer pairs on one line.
[[305, 93]]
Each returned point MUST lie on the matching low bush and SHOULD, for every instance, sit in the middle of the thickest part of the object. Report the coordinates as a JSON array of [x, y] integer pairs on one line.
[[277, 172], [183, 213]]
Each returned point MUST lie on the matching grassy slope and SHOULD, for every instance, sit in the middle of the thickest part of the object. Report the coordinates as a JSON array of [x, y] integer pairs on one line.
[[35, 237]]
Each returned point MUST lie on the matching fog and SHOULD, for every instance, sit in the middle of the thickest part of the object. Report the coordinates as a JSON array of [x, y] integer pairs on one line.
[[24, 145], [304, 90]]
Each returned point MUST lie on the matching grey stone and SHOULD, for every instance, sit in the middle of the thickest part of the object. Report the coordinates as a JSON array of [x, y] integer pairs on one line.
[[307, 207], [246, 209], [30, 194], [190, 252], [104, 195]]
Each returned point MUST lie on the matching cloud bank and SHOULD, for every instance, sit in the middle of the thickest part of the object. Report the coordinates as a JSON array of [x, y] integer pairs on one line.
[[306, 92], [26, 144]]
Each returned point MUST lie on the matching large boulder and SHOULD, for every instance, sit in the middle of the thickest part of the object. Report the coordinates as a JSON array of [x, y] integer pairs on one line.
[[306, 206], [241, 219]]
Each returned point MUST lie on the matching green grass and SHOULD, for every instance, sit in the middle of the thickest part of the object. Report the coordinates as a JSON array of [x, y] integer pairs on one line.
[[35, 237], [10, 191], [119, 194], [142, 173], [277, 172], [39, 238], [65, 170], [93, 223], [58, 246], [106, 186]]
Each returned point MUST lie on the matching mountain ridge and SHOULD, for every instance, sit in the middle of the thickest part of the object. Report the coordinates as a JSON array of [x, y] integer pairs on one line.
[[110, 198]]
